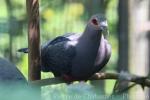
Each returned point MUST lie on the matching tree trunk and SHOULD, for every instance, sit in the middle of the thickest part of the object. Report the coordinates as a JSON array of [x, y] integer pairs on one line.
[[149, 45], [123, 32], [138, 44]]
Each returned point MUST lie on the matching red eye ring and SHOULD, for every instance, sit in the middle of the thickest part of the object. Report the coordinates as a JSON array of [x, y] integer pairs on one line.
[[94, 21]]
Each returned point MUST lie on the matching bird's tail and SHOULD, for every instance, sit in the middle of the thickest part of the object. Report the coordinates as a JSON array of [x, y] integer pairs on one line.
[[24, 50]]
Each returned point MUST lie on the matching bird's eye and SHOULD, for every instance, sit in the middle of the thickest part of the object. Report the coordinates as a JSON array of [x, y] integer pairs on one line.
[[94, 21]]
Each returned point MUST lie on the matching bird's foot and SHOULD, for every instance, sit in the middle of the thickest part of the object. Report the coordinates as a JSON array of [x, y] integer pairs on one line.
[[68, 79]]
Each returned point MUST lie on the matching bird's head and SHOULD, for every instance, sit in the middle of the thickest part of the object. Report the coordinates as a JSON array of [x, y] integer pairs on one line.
[[99, 22]]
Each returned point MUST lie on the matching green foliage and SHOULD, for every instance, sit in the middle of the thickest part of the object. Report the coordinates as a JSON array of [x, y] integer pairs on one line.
[[23, 65], [4, 41], [19, 9], [4, 11], [112, 16], [57, 22]]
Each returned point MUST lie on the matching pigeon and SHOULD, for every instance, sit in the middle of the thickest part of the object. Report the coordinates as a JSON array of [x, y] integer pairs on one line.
[[9, 74], [77, 56], [13, 82]]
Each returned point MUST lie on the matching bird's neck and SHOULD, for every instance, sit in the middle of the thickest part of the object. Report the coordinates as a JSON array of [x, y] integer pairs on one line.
[[89, 43], [91, 34]]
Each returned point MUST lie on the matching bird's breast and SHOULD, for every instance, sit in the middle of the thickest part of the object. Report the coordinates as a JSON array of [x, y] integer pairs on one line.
[[83, 62]]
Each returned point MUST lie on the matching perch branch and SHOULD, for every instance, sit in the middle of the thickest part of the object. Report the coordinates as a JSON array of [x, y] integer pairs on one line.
[[97, 76]]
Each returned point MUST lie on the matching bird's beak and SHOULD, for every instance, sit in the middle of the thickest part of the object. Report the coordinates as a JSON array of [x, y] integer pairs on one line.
[[104, 28], [103, 24]]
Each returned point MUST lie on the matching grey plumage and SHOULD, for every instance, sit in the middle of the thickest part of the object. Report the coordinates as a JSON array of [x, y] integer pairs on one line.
[[78, 56], [13, 85], [59, 55], [9, 73]]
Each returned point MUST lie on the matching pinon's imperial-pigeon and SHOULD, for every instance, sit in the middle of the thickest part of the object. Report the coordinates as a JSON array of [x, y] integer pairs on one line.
[[77, 56]]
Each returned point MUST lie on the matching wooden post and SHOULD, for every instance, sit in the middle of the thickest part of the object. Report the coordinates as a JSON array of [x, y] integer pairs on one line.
[[33, 40]]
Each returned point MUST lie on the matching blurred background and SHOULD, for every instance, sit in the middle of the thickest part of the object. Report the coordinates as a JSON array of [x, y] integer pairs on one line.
[[129, 26]]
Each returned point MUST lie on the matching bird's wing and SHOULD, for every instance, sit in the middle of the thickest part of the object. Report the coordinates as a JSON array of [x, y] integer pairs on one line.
[[57, 57], [66, 37]]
